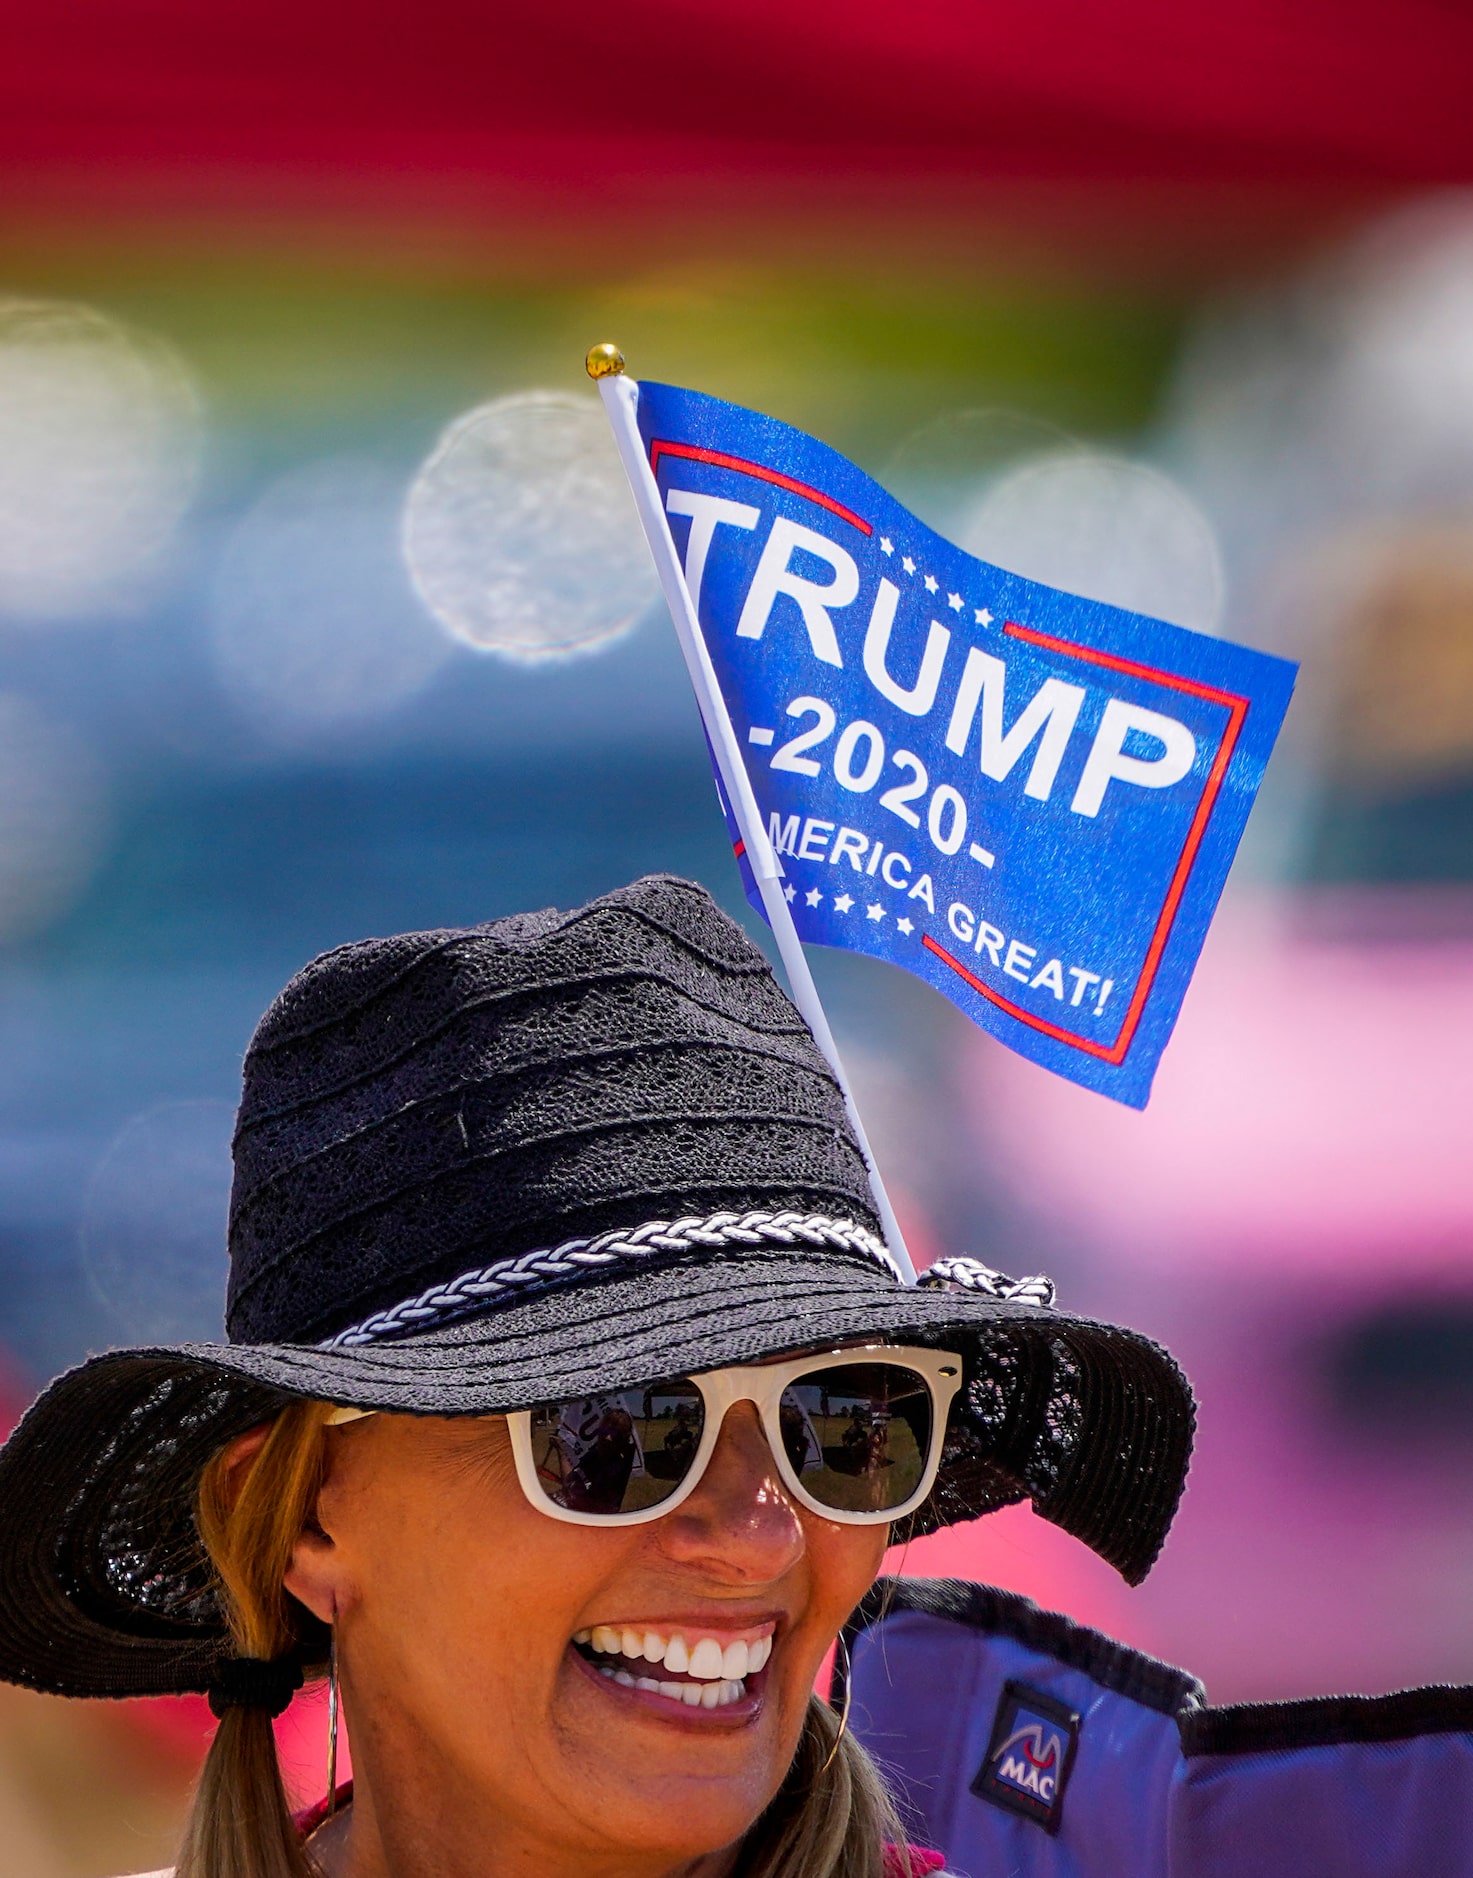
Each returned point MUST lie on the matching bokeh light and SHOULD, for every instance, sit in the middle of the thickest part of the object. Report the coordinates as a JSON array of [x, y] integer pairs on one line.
[[99, 456], [1343, 392], [1325, 420], [154, 1220], [53, 816], [1400, 393], [314, 622], [943, 469], [521, 534], [1104, 526]]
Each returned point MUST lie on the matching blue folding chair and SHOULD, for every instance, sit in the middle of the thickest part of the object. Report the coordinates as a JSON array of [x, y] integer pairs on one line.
[[1026, 1746]]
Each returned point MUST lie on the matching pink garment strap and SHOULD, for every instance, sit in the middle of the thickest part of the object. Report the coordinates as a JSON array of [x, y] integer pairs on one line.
[[923, 1861], [311, 1817]]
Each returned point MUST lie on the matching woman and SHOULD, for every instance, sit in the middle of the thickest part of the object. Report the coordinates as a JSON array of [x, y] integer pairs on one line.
[[494, 1186]]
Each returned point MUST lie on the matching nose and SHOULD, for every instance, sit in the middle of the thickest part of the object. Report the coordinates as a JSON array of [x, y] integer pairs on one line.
[[738, 1525]]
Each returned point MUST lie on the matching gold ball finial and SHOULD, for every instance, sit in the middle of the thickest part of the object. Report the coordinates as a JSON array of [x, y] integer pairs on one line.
[[605, 361]]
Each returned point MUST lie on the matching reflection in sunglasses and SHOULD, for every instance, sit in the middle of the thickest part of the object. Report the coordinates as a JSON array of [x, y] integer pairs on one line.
[[856, 1435], [618, 1453]]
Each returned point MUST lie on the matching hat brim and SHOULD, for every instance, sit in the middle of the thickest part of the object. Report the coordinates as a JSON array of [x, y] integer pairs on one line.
[[104, 1590]]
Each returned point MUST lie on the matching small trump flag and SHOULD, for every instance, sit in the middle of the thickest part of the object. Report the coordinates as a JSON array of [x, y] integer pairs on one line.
[[1029, 799]]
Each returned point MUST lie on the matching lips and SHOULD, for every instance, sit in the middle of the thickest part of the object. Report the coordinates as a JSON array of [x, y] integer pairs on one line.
[[692, 1667]]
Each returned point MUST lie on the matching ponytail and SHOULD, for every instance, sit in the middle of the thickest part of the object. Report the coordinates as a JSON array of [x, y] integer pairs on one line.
[[240, 1824], [831, 1818]]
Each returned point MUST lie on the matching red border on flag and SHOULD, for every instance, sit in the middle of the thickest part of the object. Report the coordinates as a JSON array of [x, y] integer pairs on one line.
[[1237, 709], [721, 460]]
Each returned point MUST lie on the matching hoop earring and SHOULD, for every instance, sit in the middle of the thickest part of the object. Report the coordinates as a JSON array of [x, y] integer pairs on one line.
[[332, 1725], [842, 1643]]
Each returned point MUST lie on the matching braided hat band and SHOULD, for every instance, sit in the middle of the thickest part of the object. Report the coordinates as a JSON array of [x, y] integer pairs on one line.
[[474, 1290]]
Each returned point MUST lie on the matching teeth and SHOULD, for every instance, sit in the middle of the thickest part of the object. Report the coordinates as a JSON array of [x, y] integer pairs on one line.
[[692, 1694], [705, 1660]]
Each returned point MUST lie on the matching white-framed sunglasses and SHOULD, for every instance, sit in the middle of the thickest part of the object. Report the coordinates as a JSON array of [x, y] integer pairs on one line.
[[856, 1435]]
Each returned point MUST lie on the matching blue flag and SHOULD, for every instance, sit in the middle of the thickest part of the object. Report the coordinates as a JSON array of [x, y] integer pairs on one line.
[[1028, 799]]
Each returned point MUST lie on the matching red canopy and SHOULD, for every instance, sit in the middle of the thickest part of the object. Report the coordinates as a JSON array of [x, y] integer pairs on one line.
[[1366, 93]]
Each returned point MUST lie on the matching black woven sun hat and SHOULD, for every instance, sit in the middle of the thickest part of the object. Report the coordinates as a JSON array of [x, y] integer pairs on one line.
[[488, 1169]]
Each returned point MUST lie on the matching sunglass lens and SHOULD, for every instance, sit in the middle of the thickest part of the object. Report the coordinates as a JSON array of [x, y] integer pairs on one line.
[[618, 1452], [858, 1436]]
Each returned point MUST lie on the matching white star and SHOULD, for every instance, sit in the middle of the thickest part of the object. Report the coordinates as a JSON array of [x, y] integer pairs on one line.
[[813, 896], [790, 893], [932, 584], [843, 903], [887, 546], [954, 601], [906, 926], [984, 618], [874, 912], [907, 563]]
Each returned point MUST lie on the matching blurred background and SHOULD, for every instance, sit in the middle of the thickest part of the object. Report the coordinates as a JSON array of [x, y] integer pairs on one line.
[[322, 614]]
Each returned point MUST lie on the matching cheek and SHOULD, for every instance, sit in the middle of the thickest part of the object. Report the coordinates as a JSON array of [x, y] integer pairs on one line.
[[846, 1561], [842, 1562], [459, 1585]]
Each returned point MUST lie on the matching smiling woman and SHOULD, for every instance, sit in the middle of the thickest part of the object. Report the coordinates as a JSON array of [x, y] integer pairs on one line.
[[569, 1403], [520, 1734]]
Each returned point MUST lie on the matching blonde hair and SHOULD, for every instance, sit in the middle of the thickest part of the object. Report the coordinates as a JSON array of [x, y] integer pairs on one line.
[[240, 1825], [831, 1818]]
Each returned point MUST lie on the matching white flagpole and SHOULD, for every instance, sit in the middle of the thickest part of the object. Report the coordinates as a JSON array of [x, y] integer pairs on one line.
[[621, 400]]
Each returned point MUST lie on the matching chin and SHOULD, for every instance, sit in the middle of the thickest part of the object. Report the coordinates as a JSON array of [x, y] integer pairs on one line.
[[688, 1817], [701, 1836]]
